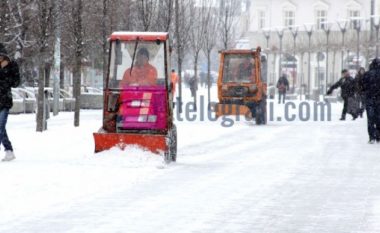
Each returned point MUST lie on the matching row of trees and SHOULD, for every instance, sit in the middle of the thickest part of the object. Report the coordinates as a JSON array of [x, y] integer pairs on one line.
[[30, 31]]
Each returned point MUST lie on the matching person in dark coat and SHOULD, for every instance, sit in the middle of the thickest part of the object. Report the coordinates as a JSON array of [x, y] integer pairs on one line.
[[282, 86], [347, 86], [193, 86], [9, 77], [193, 83], [359, 90], [371, 88], [245, 70]]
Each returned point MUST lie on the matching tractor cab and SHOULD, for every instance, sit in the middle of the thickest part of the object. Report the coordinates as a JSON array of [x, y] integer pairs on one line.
[[138, 95], [241, 87]]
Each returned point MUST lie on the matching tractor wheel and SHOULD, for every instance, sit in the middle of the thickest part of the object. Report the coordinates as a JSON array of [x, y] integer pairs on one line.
[[171, 154], [261, 113]]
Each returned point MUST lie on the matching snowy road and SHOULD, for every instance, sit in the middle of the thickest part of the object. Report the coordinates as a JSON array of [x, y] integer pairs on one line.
[[283, 177]]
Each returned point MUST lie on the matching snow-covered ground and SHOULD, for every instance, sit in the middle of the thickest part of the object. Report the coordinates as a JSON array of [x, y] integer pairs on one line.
[[287, 176]]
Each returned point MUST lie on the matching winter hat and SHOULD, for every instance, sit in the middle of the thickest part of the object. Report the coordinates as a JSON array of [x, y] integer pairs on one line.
[[143, 51], [3, 51], [375, 64]]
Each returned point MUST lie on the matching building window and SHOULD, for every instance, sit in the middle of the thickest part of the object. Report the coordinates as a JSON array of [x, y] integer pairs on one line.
[[353, 16], [321, 16], [261, 15], [289, 18]]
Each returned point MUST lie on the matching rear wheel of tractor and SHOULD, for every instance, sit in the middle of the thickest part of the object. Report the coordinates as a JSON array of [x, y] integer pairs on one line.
[[261, 113]]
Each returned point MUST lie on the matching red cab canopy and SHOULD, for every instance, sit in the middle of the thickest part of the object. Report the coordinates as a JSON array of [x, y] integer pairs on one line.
[[144, 36]]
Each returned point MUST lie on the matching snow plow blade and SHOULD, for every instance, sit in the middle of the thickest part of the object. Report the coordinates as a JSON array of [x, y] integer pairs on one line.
[[153, 143], [231, 109]]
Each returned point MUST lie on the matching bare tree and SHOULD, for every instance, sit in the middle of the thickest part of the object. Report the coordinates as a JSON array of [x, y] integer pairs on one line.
[[16, 12], [209, 44], [165, 15], [228, 10], [147, 11], [4, 20], [103, 40], [197, 31], [78, 44], [43, 28], [182, 28], [16, 32]]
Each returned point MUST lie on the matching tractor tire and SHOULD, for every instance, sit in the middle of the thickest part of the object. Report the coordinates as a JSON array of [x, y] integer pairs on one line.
[[261, 112]]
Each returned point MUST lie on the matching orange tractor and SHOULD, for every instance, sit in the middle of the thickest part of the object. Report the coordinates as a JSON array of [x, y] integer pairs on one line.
[[242, 89], [138, 95]]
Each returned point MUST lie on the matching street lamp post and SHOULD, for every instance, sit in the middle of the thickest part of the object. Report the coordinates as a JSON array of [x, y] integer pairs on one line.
[[327, 29], [357, 26], [372, 23], [309, 31], [280, 33], [266, 33], [343, 29], [294, 31], [267, 37], [376, 25]]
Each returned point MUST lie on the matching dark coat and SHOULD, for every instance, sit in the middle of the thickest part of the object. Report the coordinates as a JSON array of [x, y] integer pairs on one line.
[[359, 84], [9, 77], [193, 83], [282, 84], [371, 84], [347, 85]]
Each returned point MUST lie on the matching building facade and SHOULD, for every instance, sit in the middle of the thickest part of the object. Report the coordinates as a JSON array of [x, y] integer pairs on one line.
[[337, 33]]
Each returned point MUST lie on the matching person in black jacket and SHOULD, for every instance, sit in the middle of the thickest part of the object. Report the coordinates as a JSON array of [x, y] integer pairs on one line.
[[282, 86], [371, 88], [359, 90], [347, 86], [9, 77]]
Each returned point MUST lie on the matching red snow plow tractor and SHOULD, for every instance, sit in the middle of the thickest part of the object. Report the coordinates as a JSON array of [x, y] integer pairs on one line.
[[138, 95], [241, 84]]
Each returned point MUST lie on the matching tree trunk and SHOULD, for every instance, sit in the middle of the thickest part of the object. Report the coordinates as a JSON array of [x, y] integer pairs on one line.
[[179, 58], [104, 45], [47, 68], [208, 78], [332, 80], [78, 59], [76, 90], [196, 77], [40, 100], [62, 73]]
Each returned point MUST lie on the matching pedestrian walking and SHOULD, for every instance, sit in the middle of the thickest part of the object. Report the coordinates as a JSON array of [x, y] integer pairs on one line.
[[359, 90], [347, 86], [173, 81], [9, 77], [371, 89], [282, 86]]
